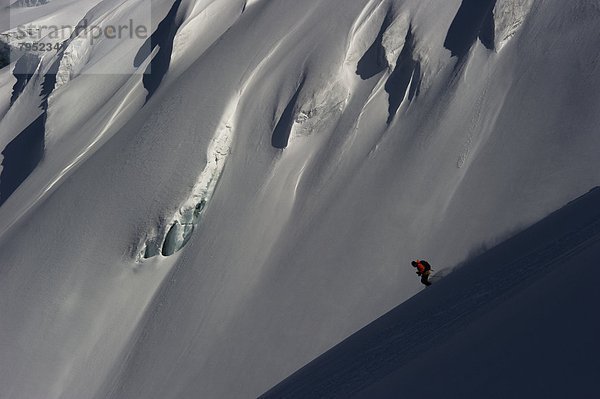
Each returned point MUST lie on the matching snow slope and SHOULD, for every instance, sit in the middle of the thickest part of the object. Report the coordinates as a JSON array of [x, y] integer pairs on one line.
[[523, 325], [346, 141]]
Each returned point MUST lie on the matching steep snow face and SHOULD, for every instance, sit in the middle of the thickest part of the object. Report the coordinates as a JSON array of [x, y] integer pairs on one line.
[[209, 228], [453, 326]]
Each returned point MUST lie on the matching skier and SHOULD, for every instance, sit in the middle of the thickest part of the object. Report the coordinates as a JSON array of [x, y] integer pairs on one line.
[[423, 270]]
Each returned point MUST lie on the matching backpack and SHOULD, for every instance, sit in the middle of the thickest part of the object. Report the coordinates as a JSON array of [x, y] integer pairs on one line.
[[426, 264]]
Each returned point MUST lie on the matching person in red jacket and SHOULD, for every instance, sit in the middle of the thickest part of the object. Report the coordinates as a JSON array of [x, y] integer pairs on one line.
[[423, 270]]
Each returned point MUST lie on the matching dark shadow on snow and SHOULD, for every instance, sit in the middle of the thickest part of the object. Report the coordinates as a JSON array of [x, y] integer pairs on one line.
[[25, 68], [163, 37], [281, 133], [457, 301], [407, 72], [21, 157], [373, 62], [474, 19], [26, 150]]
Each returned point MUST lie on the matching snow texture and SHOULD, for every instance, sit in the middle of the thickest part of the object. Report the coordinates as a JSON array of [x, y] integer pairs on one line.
[[209, 228]]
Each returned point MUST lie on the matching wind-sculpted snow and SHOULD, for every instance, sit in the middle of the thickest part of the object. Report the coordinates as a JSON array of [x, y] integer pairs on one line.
[[164, 248], [281, 134], [89, 67], [405, 79], [393, 50], [373, 60]]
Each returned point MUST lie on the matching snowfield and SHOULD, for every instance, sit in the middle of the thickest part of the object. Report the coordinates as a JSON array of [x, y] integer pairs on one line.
[[203, 211]]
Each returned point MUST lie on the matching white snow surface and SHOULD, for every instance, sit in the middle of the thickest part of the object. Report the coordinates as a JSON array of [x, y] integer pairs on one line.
[[295, 248]]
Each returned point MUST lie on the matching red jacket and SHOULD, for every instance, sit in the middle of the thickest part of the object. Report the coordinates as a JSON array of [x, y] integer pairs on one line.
[[423, 266]]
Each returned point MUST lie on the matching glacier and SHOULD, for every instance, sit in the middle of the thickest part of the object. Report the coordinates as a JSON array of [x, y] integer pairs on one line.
[[204, 213]]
